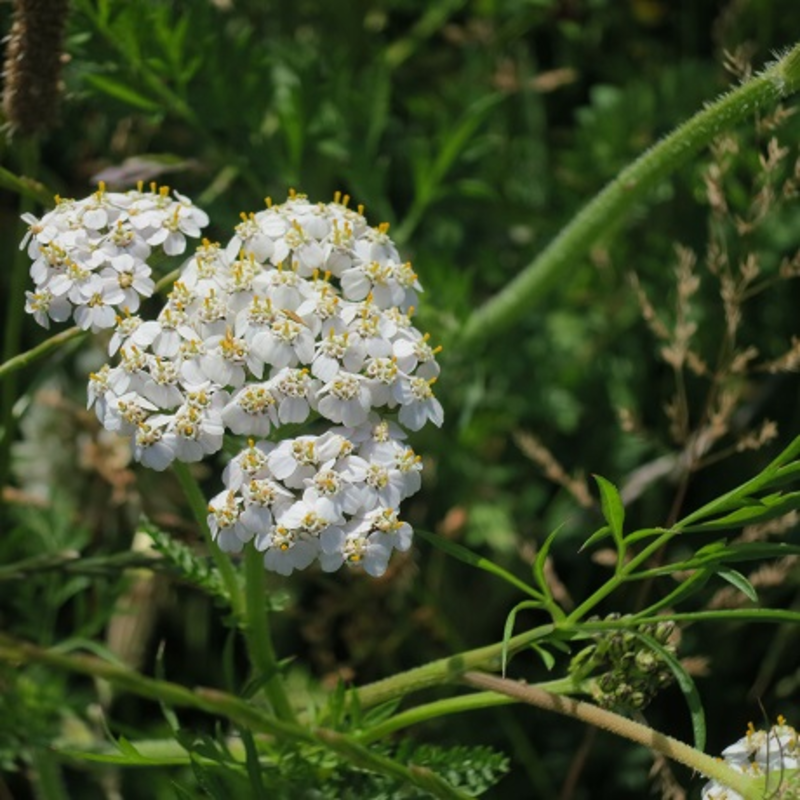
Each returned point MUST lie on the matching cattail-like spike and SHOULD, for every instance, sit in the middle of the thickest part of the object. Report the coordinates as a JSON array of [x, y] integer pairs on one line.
[[32, 69]]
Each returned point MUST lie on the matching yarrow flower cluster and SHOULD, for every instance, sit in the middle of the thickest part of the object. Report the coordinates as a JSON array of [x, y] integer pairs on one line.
[[306, 314], [759, 754], [90, 256]]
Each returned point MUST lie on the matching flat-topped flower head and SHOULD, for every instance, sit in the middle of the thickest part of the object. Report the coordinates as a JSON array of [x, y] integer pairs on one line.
[[305, 316]]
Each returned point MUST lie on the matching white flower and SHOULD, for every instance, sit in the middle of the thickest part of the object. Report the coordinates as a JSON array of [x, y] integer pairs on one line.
[[297, 392], [45, 307], [758, 753], [224, 521], [418, 404], [287, 550], [252, 410], [306, 309], [345, 399], [352, 547], [248, 465]]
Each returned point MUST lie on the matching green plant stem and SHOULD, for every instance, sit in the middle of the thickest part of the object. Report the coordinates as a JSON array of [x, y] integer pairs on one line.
[[199, 508], [15, 312], [445, 670], [620, 726], [435, 710], [240, 712], [453, 705], [259, 640], [56, 341], [15, 363], [607, 209]]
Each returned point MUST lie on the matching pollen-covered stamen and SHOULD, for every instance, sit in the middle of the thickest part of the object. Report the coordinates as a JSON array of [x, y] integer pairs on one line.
[[283, 538], [131, 412], [345, 387], [243, 273], [305, 452], [354, 551], [261, 492], [296, 237], [405, 275], [313, 523], [386, 521], [407, 460], [260, 311], [199, 399], [187, 424], [227, 514], [133, 359], [377, 477], [379, 274], [148, 435], [334, 346], [295, 383], [328, 482], [341, 237], [286, 328], [421, 388], [252, 459], [382, 369], [164, 372], [423, 351], [381, 432], [233, 349], [256, 400], [213, 308]]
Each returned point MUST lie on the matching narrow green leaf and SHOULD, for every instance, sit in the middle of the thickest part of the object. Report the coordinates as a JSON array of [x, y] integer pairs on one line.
[[596, 537], [547, 657], [474, 560], [508, 629], [541, 560], [127, 749], [754, 510], [738, 581], [613, 510], [687, 686], [119, 91]]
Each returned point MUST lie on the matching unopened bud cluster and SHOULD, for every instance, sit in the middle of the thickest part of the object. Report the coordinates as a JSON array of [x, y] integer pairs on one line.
[[630, 672], [769, 755], [304, 315]]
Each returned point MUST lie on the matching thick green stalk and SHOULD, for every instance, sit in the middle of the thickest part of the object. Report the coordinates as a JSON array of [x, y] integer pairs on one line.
[[259, 640], [607, 209], [198, 506], [445, 670], [240, 712]]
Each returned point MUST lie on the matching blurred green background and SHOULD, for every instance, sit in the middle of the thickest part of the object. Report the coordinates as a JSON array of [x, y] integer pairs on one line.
[[477, 129]]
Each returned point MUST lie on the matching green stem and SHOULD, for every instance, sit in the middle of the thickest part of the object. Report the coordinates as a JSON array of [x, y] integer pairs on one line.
[[556, 262], [445, 670], [199, 508], [12, 335], [11, 365], [240, 712], [621, 726], [453, 705], [259, 640]]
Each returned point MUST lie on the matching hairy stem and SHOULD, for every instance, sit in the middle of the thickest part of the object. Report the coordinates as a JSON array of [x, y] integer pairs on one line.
[[630, 187]]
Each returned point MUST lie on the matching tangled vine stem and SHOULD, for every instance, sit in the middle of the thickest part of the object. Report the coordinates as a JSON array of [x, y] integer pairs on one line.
[[620, 726], [607, 209]]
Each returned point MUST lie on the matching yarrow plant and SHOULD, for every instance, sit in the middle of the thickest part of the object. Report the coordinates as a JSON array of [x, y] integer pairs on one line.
[[306, 313], [761, 754]]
